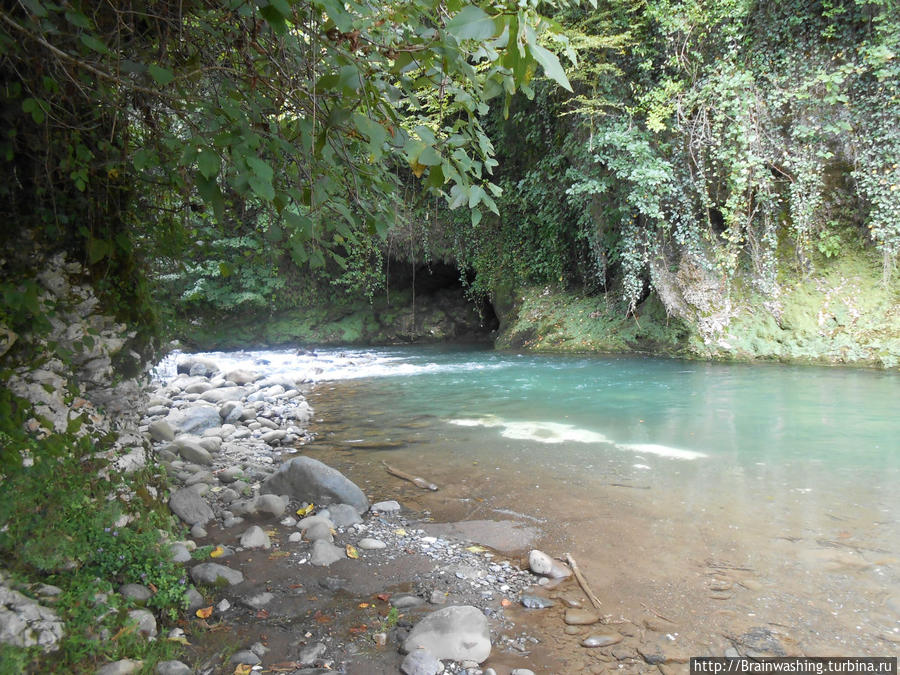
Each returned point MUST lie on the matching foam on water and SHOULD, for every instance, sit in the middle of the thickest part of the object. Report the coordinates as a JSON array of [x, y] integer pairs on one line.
[[555, 432], [662, 450]]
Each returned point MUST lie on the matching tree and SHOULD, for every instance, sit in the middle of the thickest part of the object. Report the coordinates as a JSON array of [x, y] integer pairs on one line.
[[127, 119]]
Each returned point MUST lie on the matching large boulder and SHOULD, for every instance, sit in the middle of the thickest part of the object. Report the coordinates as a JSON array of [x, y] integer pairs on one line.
[[194, 420], [458, 632], [309, 480]]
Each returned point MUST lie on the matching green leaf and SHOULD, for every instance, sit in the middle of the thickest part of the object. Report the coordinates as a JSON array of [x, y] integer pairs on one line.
[[260, 168], [36, 108], [37, 8], [274, 233], [430, 157], [551, 65], [163, 76], [93, 43], [208, 162], [97, 249], [336, 12], [261, 187], [274, 18], [472, 23], [225, 270], [79, 19]]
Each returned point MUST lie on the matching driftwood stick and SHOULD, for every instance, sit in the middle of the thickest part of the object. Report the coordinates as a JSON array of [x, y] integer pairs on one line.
[[595, 601], [415, 480]]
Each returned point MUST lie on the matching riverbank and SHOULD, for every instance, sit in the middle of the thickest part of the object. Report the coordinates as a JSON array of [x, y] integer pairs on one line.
[[842, 312]]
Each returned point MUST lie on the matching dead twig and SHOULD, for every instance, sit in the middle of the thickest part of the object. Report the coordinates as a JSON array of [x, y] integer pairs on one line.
[[595, 601]]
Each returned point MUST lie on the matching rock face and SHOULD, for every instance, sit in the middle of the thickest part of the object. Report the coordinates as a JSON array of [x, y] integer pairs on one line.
[[458, 632], [25, 623], [310, 480]]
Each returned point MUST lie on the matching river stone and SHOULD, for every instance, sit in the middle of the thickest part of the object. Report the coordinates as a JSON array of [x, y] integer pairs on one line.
[[324, 553], [194, 420], [190, 507], [272, 504], [198, 388], [601, 640], [421, 662], [310, 480], [161, 430], [259, 600], [231, 412], [193, 452], [137, 592], [146, 622], [242, 377], [222, 394], [310, 654], [581, 617], [210, 573], [543, 564], [246, 657], [389, 506], [255, 537], [195, 599], [273, 436], [458, 632], [343, 515], [179, 552], [318, 532], [123, 667], [370, 544], [309, 521], [172, 668], [199, 366], [536, 602]]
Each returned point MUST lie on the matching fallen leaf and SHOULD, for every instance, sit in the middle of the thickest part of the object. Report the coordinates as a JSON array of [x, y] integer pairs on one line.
[[476, 549], [204, 613], [279, 554], [363, 605], [384, 597], [401, 532], [296, 586], [322, 618], [153, 588], [352, 552], [216, 552], [243, 669], [506, 602], [362, 628], [306, 510], [262, 614], [181, 639]]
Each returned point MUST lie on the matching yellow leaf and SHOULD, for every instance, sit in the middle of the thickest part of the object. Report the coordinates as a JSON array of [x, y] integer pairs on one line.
[[306, 510], [204, 613], [216, 552], [363, 605], [352, 552], [417, 169], [401, 532], [243, 669], [180, 639], [476, 549]]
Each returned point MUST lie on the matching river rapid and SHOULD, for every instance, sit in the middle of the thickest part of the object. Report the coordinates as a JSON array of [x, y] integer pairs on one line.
[[710, 506]]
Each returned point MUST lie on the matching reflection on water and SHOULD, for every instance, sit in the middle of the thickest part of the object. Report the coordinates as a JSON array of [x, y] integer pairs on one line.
[[730, 496]]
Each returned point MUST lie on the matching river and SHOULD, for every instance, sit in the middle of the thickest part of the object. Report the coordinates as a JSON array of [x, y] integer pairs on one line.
[[715, 504]]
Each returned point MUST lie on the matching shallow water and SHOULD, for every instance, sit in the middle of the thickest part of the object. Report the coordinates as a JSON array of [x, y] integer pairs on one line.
[[723, 497]]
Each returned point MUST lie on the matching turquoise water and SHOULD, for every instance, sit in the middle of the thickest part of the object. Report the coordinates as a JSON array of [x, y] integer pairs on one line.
[[666, 478]]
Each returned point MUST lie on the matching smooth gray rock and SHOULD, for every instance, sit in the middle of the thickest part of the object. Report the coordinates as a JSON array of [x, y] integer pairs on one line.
[[370, 544], [172, 668], [259, 600], [161, 430], [273, 436], [136, 592], [324, 553], [389, 506], [272, 504], [543, 564], [230, 474], [255, 537], [231, 411], [246, 657], [536, 602], [190, 507], [194, 420], [193, 452], [198, 531], [123, 667], [146, 622], [210, 573], [309, 655], [458, 632], [241, 377], [195, 599], [222, 394], [343, 515], [310, 480], [406, 601], [421, 662], [318, 532]]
